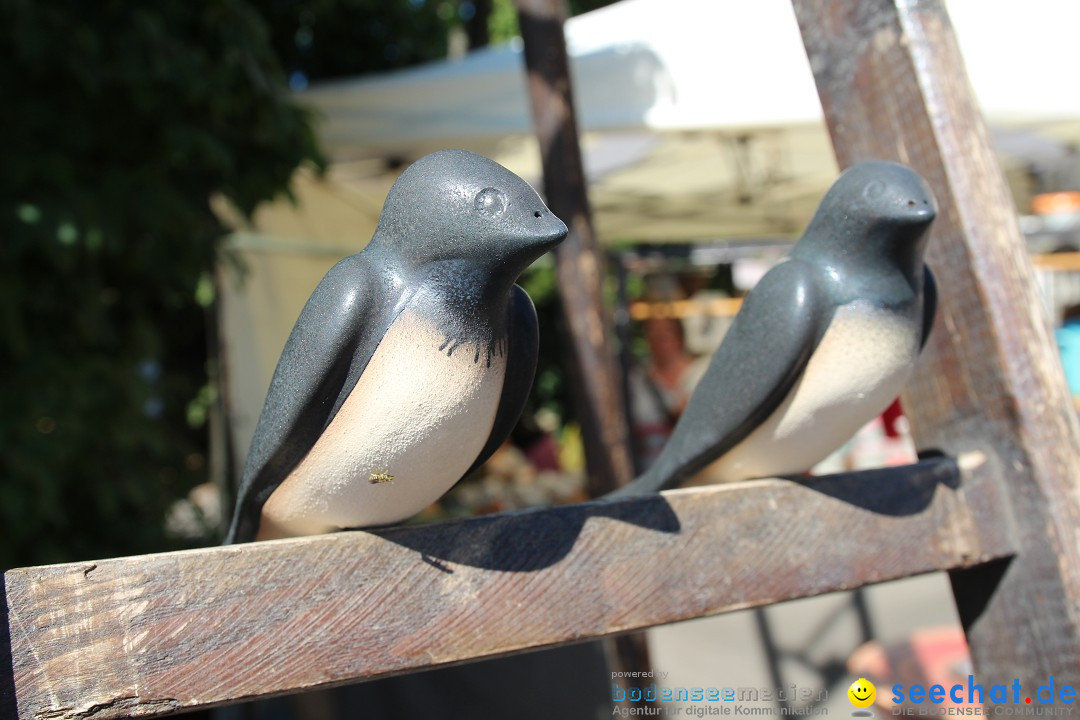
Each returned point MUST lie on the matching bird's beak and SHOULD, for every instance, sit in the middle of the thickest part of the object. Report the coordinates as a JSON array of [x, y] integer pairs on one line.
[[920, 212], [552, 230]]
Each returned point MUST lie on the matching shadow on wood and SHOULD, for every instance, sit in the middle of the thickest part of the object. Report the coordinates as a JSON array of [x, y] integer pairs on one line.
[[496, 542], [895, 492]]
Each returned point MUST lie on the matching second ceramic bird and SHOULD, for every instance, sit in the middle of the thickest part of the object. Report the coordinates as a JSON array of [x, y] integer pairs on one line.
[[821, 345]]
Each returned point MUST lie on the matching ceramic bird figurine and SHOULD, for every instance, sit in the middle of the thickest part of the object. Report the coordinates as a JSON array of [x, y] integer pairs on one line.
[[823, 343], [410, 363]]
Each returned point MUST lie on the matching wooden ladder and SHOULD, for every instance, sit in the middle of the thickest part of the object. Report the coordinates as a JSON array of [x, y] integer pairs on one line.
[[996, 505]]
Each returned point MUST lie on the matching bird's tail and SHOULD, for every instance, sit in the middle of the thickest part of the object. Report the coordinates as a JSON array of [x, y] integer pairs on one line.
[[677, 463], [644, 484]]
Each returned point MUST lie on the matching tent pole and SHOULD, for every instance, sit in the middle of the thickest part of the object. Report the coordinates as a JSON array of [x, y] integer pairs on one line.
[[594, 376], [579, 263]]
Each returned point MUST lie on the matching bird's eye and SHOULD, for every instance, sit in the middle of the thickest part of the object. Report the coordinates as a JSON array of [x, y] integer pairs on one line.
[[490, 202], [874, 189]]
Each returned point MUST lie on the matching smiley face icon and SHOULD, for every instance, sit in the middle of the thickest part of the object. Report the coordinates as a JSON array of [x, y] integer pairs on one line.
[[862, 693]]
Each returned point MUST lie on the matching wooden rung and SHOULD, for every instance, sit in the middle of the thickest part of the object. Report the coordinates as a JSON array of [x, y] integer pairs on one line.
[[154, 634]]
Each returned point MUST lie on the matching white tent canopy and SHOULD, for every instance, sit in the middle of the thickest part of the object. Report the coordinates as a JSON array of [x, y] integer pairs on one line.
[[675, 65], [700, 117]]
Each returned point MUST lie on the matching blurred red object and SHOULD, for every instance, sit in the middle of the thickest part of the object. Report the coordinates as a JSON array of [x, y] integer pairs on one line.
[[544, 453], [890, 417]]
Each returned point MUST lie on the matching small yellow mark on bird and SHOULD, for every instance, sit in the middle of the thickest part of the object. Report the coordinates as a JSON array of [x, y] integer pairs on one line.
[[862, 693], [380, 476]]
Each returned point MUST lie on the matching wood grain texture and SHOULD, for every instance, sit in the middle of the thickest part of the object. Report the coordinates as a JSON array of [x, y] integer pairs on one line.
[[598, 397], [893, 86], [155, 634]]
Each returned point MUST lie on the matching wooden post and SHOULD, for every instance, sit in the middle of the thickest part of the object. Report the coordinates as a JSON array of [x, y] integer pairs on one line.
[[990, 386], [579, 263]]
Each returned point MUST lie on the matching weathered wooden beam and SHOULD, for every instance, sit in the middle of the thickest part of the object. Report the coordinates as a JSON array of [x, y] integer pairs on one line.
[[155, 634], [893, 86], [579, 263]]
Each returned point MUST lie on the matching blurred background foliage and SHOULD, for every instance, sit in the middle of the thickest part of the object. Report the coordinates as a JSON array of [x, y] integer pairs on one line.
[[125, 119], [325, 39]]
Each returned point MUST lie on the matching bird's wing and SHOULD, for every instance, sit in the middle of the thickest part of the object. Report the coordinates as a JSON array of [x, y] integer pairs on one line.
[[929, 304], [522, 342], [307, 384], [760, 359]]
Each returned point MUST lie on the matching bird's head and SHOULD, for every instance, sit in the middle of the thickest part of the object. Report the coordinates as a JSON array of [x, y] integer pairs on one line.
[[875, 213], [460, 206]]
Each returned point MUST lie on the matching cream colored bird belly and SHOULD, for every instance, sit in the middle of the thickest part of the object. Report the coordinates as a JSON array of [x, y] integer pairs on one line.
[[860, 365], [412, 426]]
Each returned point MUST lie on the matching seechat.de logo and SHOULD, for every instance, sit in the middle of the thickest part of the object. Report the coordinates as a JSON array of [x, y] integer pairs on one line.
[[973, 692]]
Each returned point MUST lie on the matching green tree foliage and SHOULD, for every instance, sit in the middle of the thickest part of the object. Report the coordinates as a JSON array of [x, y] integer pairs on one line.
[[121, 121], [322, 39], [503, 22]]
